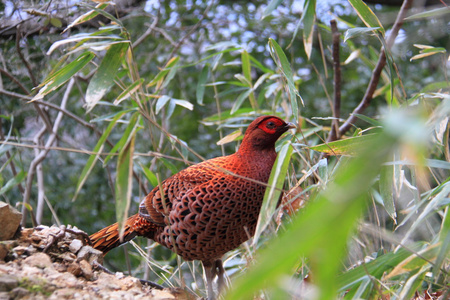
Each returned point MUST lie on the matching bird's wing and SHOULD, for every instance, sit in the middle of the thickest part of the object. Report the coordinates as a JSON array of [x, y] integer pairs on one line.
[[158, 203]]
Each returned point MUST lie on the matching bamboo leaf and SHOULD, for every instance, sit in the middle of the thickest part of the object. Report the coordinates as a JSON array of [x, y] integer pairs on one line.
[[387, 194], [349, 146], [230, 137], [201, 85], [162, 101], [58, 78], [94, 157], [271, 7], [354, 32], [132, 88], [13, 182], [133, 126], [308, 18], [151, 177], [172, 63], [124, 183], [103, 79], [240, 100], [433, 13], [273, 191], [87, 16], [366, 14], [282, 63]]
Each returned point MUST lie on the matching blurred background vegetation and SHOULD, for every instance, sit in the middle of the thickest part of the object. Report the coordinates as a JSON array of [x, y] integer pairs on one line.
[[163, 82]]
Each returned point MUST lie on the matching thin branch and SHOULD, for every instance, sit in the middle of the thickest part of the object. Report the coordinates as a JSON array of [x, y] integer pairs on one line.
[[148, 32], [334, 134], [367, 98], [22, 57], [42, 154], [15, 80], [48, 104]]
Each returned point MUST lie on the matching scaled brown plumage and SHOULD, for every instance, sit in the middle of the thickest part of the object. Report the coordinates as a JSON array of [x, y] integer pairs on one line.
[[210, 208]]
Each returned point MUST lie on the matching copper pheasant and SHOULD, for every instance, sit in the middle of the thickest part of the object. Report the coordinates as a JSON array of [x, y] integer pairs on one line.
[[209, 208]]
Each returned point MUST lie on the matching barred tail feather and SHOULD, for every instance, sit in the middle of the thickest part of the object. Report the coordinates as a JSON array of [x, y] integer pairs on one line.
[[108, 238]]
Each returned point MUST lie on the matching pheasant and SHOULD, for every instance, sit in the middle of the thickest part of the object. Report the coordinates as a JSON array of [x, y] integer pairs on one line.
[[209, 208]]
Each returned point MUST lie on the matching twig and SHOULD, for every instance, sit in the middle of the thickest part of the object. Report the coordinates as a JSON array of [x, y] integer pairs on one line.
[[334, 134], [148, 32], [22, 57], [15, 80], [43, 153], [365, 102]]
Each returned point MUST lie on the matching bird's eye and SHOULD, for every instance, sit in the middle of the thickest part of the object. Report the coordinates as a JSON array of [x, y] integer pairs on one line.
[[270, 125]]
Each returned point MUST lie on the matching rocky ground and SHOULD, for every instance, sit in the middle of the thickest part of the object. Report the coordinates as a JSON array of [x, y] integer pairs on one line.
[[58, 263]]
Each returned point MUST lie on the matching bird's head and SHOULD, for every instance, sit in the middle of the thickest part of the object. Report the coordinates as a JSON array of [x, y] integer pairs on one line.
[[263, 132]]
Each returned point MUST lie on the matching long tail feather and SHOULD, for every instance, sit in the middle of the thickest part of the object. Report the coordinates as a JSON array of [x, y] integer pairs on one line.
[[108, 238]]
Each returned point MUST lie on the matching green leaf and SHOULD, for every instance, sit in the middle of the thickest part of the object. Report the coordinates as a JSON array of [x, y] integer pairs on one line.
[[354, 32], [349, 146], [369, 120], [94, 157], [376, 268], [366, 14], [433, 13], [273, 191], [240, 100], [131, 89], [103, 79], [151, 177], [133, 126], [161, 102], [201, 85], [124, 183], [13, 182], [247, 71], [172, 63], [87, 16], [283, 64], [169, 165], [56, 22], [308, 18], [386, 190], [271, 7], [58, 78]]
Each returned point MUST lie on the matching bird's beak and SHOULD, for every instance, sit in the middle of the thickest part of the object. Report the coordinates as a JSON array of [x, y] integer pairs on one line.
[[291, 125]]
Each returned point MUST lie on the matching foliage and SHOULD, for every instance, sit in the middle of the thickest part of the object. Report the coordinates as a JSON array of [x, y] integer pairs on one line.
[[124, 98]]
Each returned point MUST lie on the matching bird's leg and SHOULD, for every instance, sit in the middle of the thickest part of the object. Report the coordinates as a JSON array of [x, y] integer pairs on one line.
[[218, 267], [210, 272]]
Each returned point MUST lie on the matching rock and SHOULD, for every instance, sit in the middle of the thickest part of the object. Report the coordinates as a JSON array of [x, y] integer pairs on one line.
[[3, 251], [90, 254], [8, 282], [9, 221], [19, 293], [75, 269], [20, 250], [86, 268], [75, 246], [40, 260], [107, 282], [4, 296], [68, 256]]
